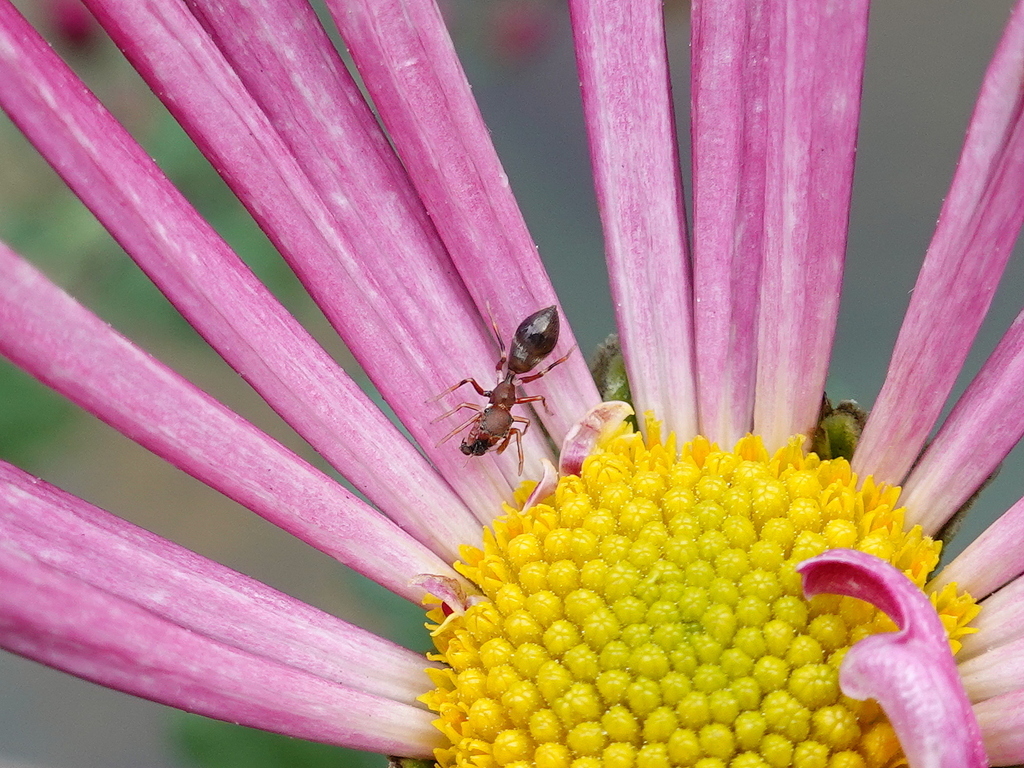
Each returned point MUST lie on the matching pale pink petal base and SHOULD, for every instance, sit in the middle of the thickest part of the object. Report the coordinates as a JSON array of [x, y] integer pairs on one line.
[[68, 624], [977, 228], [911, 673], [1001, 621], [1002, 721], [995, 672]]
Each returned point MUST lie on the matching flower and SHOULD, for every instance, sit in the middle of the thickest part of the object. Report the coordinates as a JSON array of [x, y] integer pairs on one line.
[[406, 258]]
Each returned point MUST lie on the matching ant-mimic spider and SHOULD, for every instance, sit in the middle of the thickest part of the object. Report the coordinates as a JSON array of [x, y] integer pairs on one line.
[[492, 424]]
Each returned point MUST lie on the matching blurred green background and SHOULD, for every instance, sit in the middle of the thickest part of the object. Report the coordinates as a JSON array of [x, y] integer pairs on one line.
[[926, 59]]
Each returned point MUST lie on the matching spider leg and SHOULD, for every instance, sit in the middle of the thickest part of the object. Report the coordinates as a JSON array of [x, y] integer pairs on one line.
[[535, 376], [516, 433], [479, 390], [497, 338], [458, 407], [534, 399], [454, 432], [522, 420]]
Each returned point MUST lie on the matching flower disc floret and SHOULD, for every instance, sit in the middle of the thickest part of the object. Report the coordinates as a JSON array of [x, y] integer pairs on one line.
[[649, 613]]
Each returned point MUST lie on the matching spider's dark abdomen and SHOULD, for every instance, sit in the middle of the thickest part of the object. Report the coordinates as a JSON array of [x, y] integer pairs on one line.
[[476, 448]]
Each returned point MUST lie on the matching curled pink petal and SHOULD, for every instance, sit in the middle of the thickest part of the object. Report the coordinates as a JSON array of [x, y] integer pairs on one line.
[[911, 673], [68, 624], [1002, 722], [624, 80], [978, 225], [583, 438], [545, 487]]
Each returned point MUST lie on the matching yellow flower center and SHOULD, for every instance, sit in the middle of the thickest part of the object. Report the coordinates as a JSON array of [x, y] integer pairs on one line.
[[648, 614]]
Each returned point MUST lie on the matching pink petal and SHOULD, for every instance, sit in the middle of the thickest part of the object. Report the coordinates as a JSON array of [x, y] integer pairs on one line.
[[1001, 621], [375, 267], [410, 68], [730, 44], [982, 429], [1002, 723], [217, 294], [991, 560], [994, 672], [977, 228], [911, 673], [68, 348], [65, 623], [623, 67], [815, 67], [79, 540]]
